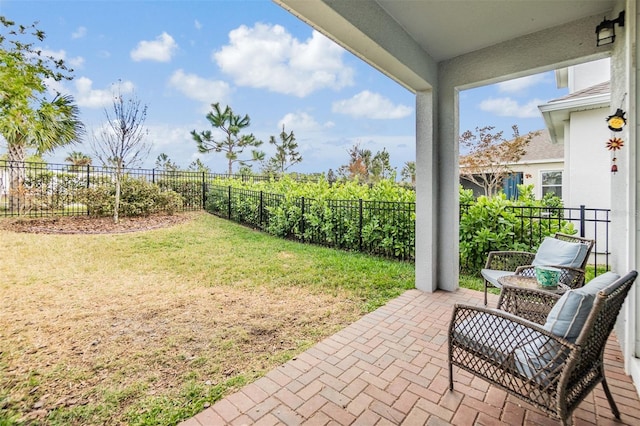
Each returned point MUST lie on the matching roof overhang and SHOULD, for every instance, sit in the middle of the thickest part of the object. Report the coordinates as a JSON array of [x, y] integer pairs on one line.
[[408, 39], [557, 113]]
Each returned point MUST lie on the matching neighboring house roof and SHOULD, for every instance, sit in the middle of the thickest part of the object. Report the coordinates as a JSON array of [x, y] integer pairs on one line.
[[599, 89], [542, 148]]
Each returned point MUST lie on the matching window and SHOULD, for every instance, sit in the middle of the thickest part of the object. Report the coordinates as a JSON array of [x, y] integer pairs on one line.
[[552, 182]]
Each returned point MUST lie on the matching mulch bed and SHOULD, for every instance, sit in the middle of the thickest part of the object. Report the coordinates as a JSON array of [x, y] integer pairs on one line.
[[92, 225]]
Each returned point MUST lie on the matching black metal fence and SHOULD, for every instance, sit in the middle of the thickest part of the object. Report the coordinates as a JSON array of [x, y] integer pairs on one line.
[[376, 227], [534, 223], [44, 189]]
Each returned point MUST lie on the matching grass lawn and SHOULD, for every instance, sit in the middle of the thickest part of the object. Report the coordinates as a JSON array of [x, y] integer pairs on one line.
[[150, 327]]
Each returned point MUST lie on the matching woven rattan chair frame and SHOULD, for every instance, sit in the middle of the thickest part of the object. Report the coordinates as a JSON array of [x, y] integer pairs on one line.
[[519, 262], [578, 367]]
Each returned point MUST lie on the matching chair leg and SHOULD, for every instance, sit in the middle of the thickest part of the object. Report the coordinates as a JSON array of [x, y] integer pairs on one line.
[[450, 375], [607, 392], [485, 292]]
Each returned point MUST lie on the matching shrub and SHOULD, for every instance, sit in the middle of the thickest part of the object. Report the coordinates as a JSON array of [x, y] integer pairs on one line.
[[189, 188], [495, 224], [137, 198], [321, 213]]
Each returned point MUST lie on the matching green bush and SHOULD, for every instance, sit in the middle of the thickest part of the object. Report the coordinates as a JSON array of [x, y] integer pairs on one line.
[[321, 213], [137, 198], [189, 188], [497, 224]]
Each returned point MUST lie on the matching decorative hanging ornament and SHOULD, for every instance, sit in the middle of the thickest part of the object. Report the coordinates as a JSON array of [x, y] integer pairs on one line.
[[617, 121], [615, 144]]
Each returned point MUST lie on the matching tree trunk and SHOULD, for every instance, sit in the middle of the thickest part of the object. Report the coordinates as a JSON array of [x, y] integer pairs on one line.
[[116, 202]]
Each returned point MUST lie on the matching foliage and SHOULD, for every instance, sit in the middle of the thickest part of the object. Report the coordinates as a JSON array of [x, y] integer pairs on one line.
[[233, 143], [366, 167], [408, 172], [377, 219], [188, 187], [138, 198], [285, 156], [122, 141], [78, 161], [27, 119], [163, 162], [489, 156], [198, 166], [494, 224]]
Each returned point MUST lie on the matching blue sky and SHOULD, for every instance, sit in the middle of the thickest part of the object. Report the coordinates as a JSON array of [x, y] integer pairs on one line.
[[178, 57]]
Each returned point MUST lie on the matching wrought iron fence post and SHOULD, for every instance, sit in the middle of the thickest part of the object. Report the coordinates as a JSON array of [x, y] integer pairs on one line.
[[360, 223], [229, 207], [302, 221], [204, 191], [582, 219], [153, 175], [260, 207]]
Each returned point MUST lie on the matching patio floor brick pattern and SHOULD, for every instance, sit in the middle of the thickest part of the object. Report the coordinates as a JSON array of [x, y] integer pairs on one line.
[[390, 368]]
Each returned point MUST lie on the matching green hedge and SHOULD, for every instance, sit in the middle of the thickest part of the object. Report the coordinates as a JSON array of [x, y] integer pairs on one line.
[[380, 219]]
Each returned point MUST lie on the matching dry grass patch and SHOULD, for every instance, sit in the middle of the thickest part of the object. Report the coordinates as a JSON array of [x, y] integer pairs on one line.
[[148, 328]]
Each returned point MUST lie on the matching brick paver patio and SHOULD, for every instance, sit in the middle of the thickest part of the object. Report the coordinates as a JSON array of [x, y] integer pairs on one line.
[[390, 368]]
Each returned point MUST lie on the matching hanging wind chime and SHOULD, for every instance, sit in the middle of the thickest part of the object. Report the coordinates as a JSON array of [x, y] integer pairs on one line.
[[615, 123]]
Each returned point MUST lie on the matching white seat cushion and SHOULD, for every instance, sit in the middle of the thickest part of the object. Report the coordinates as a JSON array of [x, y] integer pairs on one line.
[[493, 275]]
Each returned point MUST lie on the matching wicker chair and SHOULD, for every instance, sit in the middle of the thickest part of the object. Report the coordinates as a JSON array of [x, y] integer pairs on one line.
[[523, 263], [530, 360]]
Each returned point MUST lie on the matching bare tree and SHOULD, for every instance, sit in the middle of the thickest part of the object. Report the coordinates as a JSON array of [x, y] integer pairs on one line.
[[490, 156], [121, 141]]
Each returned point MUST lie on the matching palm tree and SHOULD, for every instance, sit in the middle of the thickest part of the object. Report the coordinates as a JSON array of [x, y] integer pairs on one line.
[[49, 126], [78, 161], [27, 119]]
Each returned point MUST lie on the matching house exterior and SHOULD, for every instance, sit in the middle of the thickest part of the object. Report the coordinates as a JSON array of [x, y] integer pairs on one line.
[[541, 166], [576, 122], [436, 49]]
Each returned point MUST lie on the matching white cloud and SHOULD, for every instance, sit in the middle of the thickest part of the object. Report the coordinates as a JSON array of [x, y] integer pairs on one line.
[[161, 49], [197, 24], [88, 97], [199, 88], [79, 33], [371, 105], [267, 56], [302, 122], [520, 84], [507, 107]]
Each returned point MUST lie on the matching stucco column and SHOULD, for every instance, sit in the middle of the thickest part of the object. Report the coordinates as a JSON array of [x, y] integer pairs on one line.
[[426, 194]]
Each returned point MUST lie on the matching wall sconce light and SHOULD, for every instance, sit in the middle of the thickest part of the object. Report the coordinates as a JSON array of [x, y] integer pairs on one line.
[[606, 30]]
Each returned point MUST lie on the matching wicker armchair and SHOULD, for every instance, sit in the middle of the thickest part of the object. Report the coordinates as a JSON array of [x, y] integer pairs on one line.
[[527, 357], [501, 263]]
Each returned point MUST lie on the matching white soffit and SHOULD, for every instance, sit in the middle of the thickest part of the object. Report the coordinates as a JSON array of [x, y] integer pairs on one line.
[[445, 29]]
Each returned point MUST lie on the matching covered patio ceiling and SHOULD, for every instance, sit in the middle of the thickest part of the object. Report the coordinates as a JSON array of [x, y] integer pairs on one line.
[[440, 30]]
